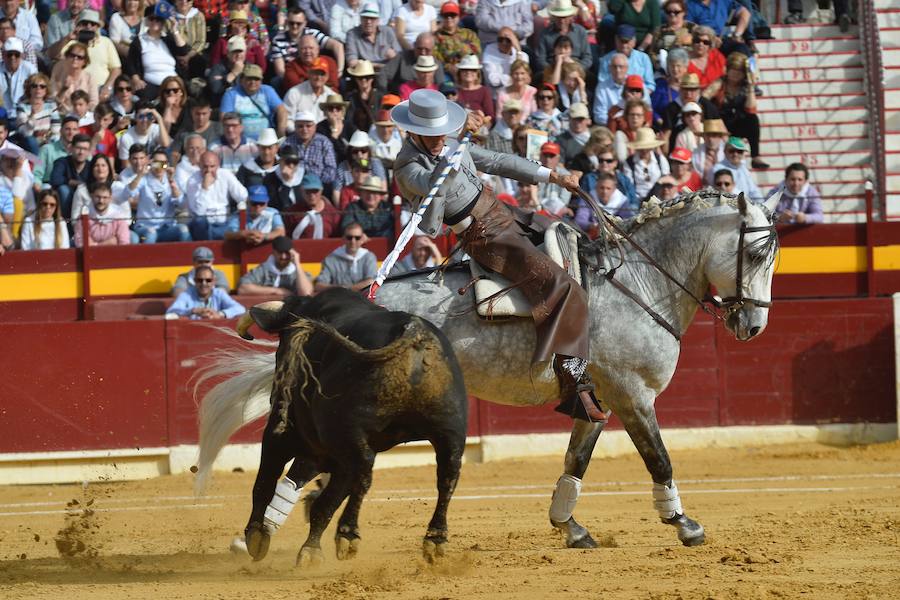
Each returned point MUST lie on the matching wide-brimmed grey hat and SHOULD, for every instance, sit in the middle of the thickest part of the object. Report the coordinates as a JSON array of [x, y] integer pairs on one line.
[[427, 112]]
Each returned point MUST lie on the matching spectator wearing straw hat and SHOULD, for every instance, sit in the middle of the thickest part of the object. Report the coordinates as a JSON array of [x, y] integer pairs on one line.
[[263, 223], [370, 40], [309, 95], [373, 210], [239, 26], [736, 151], [284, 186], [682, 167], [334, 126], [308, 57], [572, 140], [359, 149], [255, 169], [562, 23], [321, 219], [402, 68], [689, 92], [315, 150], [472, 94], [711, 150], [646, 165], [258, 104], [363, 95], [385, 139], [425, 69]]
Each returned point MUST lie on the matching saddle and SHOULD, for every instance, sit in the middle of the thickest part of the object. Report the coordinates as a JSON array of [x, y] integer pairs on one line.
[[493, 295]]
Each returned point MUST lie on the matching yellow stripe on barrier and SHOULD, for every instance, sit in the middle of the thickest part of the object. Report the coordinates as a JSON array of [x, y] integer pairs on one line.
[[40, 286], [821, 259], [886, 258]]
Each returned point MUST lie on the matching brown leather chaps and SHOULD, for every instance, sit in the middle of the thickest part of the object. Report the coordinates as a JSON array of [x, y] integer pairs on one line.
[[498, 239]]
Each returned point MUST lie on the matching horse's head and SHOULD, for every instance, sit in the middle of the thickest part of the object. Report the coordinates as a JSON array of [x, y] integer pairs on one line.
[[741, 264]]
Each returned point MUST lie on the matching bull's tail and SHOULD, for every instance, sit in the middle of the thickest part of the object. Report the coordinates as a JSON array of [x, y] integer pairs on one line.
[[241, 398]]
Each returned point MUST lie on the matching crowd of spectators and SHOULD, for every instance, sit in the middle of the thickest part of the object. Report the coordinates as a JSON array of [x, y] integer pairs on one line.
[[164, 122]]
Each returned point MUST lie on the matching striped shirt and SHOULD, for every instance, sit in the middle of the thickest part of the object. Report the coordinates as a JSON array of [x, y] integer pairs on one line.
[[284, 47]]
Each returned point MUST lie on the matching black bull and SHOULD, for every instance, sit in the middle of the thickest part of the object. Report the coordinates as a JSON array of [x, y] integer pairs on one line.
[[352, 380]]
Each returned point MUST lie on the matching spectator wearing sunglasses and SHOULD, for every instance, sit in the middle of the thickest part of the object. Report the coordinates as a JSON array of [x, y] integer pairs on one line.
[[372, 211], [146, 130], [735, 153], [37, 117], [562, 23], [201, 257], [204, 300], [452, 42], [707, 62], [676, 32], [14, 72], [9, 29], [158, 199], [499, 57], [350, 266]]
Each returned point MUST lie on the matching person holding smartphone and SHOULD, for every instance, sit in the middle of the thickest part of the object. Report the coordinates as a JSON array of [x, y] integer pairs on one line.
[[158, 200]]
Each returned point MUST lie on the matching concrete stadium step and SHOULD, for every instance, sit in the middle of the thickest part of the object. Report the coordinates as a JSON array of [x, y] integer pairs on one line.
[[890, 57], [892, 206], [774, 74], [812, 46], [771, 102], [853, 158], [774, 146], [892, 76], [831, 174], [893, 181], [813, 132], [892, 97], [844, 205], [892, 161], [856, 217], [892, 119], [888, 19], [809, 31], [885, 4], [892, 139], [812, 88], [804, 117], [839, 189], [808, 61]]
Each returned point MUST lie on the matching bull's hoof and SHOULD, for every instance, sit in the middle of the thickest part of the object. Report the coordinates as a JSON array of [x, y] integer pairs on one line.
[[310, 558], [257, 540], [434, 550], [346, 548], [583, 543], [690, 532]]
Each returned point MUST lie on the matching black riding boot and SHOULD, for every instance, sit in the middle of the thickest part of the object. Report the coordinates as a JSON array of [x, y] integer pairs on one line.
[[576, 390]]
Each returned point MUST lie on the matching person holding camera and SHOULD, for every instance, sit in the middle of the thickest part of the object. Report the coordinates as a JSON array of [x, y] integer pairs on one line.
[[158, 200], [153, 53], [146, 130]]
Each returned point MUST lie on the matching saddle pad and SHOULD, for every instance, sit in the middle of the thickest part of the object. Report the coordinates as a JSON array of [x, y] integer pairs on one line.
[[560, 244]]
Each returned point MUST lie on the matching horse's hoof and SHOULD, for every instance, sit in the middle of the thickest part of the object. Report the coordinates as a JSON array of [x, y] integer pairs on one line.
[[257, 541], [433, 550], [585, 542], [690, 532], [310, 558], [346, 548]]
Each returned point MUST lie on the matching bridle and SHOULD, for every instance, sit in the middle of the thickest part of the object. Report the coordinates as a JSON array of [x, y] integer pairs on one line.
[[719, 308]]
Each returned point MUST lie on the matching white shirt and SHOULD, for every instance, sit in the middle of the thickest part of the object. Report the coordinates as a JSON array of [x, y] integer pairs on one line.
[[132, 137], [301, 98], [47, 238], [644, 175], [212, 202], [385, 150], [496, 65], [414, 23], [158, 62], [183, 172]]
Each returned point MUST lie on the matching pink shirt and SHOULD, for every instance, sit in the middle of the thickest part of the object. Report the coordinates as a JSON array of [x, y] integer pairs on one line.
[[94, 4], [408, 87], [528, 103], [103, 230]]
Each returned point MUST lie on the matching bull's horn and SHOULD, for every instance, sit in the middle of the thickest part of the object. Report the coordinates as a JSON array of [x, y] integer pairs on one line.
[[772, 203], [246, 320], [243, 326]]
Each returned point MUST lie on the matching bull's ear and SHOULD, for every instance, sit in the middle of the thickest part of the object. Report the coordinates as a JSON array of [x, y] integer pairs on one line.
[[742, 204], [271, 316]]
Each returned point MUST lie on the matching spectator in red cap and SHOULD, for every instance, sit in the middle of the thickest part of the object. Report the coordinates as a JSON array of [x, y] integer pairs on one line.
[[633, 90], [553, 198], [297, 70], [681, 164], [308, 96], [452, 42]]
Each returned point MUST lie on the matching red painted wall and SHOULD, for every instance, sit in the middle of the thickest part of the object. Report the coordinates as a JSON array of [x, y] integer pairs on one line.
[[101, 385]]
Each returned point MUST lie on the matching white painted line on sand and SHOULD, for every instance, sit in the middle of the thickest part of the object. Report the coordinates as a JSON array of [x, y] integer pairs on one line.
[[111, 510]]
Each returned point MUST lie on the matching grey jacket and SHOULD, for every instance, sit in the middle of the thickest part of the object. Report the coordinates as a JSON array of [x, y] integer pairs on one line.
[[416, 171], [581, 49], [491, 15]]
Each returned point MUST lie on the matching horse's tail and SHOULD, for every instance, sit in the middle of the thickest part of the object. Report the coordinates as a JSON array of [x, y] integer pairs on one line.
[[230, 404]]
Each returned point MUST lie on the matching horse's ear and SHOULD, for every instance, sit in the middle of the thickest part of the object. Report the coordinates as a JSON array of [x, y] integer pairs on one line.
[[772, 203], [742, 204]]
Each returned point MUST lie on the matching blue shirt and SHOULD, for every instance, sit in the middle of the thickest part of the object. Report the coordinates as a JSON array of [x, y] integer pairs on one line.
[[219, 300], [268, 220], [7, 206], [156, 205], [715, 15], [638, 64], [251, 108]]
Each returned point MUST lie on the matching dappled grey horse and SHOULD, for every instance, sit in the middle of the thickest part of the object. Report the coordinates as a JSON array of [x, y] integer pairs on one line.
[[696, 240]]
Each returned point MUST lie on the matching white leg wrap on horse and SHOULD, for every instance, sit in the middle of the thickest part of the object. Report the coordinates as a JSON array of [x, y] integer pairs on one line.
[[666, 500], [286, 495], [565, 497]]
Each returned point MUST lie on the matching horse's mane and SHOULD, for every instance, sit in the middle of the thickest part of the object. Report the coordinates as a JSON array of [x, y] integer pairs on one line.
[[655, 209]]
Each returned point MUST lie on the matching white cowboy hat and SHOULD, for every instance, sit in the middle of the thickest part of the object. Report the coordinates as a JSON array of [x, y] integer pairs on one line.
[[427, 112], [425, 63], [469, 61], [373, 183], [268, 137], [645, 139], [362, 68], [359, 139], [561, 8]]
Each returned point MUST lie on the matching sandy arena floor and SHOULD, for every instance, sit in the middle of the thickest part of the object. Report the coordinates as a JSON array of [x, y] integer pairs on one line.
[[782, 522]]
